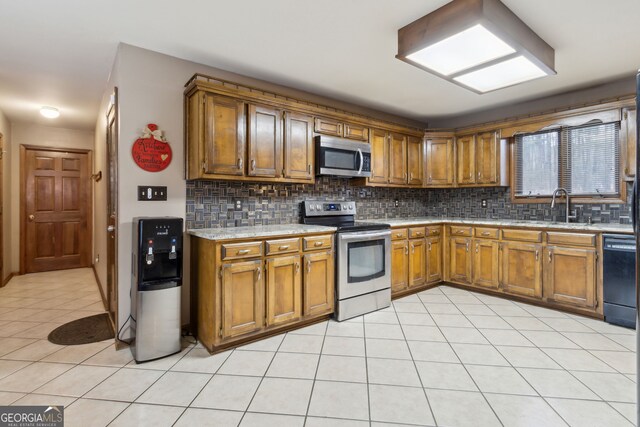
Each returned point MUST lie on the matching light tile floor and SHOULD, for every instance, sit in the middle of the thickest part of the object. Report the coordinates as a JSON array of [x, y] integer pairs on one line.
[[442, 357]]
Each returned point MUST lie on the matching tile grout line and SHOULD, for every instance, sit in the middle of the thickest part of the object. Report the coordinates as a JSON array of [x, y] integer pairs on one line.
[[315, 374]]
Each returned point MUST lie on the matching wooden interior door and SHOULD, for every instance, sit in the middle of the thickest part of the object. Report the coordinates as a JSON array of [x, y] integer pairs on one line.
[[284, 289], [485, 263], [224, 135], [439, 161], [379, 157], [397, 159], [56, 209], [298, 146], [521, 272], [465, 149], [415, 163], [243, 298], [487, 158], [265, 141], [318, 283], [112, 208]]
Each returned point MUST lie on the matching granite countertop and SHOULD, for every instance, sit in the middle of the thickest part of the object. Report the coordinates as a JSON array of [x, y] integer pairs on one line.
[[258, 231], [606, 228]]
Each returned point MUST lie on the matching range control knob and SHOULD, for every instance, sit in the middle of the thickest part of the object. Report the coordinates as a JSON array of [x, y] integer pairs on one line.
[[318, 207], [312, 208], [344, 207], [350, 207]]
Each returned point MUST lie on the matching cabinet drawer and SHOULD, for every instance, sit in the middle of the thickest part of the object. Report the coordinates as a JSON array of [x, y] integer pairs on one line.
[[576, 239], [416, 232], [522, 235], [357, 132], [327, 127], [282, 246], [317, 242], [241, 250], [460, 231], [487, 233], [399, 234], [434, 231]]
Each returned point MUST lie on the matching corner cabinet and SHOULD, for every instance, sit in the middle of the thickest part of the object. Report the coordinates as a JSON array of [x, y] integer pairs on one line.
[[439, 161], [245, 290]]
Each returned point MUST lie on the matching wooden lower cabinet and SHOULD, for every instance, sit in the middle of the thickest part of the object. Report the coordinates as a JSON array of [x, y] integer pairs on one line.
[[570, 276], [521, 272], [242, 298], [284, 289], [485, 263], [417, 262], [460, 260], [399, 265], [318, 292], [434, 259]]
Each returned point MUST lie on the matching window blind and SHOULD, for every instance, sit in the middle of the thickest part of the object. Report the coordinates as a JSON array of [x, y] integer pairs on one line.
[[537, 163]]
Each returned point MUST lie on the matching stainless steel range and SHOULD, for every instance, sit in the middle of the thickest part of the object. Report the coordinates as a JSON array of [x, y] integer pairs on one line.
[[363, 258]]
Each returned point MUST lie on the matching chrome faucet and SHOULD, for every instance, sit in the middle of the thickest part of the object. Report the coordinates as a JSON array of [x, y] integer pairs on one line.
[[566, 194]]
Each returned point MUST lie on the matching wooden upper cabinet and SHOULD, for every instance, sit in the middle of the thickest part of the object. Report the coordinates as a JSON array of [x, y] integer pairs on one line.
[[460, 259], [298, 146], [284, 289], [397, 158], [224, 135], [465, 149], [328, 126], [485, 263], [417, 262], [356, 132], [521, 272], [487, 158], [439, 162], [570, 276], [415, 161], [318, 294], [628, 142], [379, 157], [399, 265], [243, 299], [434, 259], [265, 141]]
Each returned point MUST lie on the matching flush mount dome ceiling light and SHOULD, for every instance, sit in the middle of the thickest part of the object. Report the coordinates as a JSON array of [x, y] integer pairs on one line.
[[50, 112], [477, 44]]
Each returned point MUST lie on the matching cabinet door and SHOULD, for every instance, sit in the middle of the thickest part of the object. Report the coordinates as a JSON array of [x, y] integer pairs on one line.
[[357, 132], [379, 157], [328, 126], [434, 259], [439, 161], [460, 260], [417, 262], [465, 152], [415, 160], [628, 142], [485, 263], [570, 276], [397, 158], [521, 272], [298, 146], [399, 265], [318, 283], [487, 158], [242, 298], [224, 135], [265, 141], [284, 286]]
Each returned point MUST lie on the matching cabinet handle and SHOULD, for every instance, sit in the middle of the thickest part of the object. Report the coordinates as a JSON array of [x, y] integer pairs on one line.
[[430, 178], [479, 174], [309, 266], [398, 234], [297, 267], [239, 162], [477, 247], [406, 249], [413, 249], [550, 256], [283, 247], [460, 232], [434, 231], [537, 254], [419, 233], [318, 244], [243, 251], [259, 271], [309, 169], [253, 164], [467, 246], [486, 233], [429, 245]]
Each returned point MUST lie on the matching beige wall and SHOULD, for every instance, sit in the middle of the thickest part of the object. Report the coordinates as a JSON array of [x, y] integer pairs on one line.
[[46, 136], [5, 130]]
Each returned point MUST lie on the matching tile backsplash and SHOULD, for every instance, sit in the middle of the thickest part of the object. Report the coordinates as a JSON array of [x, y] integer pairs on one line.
[[212, 203]]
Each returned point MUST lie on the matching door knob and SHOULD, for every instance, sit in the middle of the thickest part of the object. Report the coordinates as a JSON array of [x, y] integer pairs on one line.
[[32, 217], [111, 229]]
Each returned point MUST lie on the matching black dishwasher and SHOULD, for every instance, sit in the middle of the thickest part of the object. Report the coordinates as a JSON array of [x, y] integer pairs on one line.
[[620, 279]]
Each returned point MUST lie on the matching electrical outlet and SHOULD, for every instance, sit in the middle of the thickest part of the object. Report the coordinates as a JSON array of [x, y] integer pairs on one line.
[[152, 193], [238, 205], [396, 203], [483, 203]]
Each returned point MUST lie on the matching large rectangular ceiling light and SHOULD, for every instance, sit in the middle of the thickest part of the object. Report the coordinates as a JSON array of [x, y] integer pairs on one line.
[[478, 44]]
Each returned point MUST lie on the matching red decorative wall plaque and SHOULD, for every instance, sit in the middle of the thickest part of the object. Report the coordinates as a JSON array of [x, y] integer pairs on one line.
[[151, 152]]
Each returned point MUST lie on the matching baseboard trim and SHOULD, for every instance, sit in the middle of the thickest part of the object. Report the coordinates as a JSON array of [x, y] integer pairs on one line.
[[102, 295], [9, 277]]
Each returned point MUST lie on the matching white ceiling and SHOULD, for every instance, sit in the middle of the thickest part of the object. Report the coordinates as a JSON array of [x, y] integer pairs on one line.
[[60, 52]]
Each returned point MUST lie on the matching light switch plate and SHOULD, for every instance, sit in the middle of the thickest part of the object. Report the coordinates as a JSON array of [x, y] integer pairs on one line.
[[150, 193]]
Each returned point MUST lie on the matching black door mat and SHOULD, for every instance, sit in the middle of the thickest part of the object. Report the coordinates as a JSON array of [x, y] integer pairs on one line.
[[83, 331]]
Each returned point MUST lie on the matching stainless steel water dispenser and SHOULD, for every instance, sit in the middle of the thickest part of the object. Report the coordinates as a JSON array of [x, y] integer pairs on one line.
[[156, 285]]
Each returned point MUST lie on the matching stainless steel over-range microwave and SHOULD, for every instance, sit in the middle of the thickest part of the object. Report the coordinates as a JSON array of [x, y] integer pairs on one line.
[[340, 157]]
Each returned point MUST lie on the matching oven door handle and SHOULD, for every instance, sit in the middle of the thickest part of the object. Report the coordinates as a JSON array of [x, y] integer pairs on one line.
[[364, 236], [361, 161]]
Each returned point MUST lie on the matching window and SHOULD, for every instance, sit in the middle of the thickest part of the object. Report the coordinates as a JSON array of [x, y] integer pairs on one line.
[[584, 160]]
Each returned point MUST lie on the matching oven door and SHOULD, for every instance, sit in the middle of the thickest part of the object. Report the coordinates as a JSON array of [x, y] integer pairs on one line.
[[364, 262], [339, 158]]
